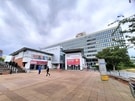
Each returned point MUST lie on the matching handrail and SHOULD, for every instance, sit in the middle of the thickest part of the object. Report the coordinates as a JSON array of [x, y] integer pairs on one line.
[[132, 88]]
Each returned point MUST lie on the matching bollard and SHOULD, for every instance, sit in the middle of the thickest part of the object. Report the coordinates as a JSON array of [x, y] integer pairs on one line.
[[104, 77]]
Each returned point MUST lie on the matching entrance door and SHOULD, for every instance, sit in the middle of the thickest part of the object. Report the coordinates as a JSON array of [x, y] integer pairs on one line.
[[73, 64], [32, 66]]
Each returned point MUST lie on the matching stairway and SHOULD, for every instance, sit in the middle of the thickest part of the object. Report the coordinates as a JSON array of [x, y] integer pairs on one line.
[[5, 68]]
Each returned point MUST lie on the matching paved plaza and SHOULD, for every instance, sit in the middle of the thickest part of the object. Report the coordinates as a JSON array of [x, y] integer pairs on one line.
[[62, 86]]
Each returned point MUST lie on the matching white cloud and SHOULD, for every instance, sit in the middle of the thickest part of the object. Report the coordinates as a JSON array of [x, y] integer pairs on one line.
[[39, 23]]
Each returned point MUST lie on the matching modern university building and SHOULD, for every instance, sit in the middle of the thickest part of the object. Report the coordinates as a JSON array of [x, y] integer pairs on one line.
[[74, 54], [90, 45]]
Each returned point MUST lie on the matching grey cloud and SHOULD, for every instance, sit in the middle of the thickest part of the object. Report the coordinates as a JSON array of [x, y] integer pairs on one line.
[[27, 7], [39, 23]]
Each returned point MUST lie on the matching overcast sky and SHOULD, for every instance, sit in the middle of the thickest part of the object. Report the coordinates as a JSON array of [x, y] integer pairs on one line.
[[39, 23]]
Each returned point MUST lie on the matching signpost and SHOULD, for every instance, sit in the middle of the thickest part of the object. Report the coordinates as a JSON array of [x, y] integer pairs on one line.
[[102, 69]]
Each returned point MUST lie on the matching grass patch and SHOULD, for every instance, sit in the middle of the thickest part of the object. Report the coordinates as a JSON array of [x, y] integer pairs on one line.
[[130, 70]]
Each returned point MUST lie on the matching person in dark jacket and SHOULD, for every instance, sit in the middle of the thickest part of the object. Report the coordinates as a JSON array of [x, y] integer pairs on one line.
[[39, 69], [47, 71]]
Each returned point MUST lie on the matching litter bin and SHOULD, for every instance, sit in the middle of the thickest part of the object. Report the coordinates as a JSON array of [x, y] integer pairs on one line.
[[132, 88], [104, 77]]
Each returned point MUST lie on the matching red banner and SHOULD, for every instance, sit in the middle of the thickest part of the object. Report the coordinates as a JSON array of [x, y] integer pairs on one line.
[[38, 62], [73, 61]]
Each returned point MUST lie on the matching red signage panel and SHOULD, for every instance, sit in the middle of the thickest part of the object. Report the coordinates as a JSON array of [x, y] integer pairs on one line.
[[73, 61], [77, 61], [38, 62], [70, 61]]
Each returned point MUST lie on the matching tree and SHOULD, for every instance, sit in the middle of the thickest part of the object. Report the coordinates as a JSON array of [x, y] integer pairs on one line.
[[113, 56], [127, 26], [1, 59], [130, 1]]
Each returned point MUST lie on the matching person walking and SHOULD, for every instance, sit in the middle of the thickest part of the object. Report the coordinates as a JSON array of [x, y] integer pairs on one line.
[[39, 69], [47, 71]]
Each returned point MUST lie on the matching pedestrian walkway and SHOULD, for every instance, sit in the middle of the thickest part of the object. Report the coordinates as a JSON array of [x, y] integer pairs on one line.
[[62, 86]]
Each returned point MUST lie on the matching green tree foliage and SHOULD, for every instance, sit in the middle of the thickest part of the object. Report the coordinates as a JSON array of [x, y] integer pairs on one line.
[[114, 56], [1, 59], [127, 26]]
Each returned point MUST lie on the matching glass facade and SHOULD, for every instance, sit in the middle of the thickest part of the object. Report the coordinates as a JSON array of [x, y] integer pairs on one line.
[[92, 43]]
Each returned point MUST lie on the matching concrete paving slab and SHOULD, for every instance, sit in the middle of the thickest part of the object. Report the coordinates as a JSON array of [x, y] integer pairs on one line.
[[62, 86]]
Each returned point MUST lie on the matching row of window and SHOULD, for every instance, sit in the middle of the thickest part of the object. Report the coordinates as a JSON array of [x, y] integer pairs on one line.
[[104, 45], [105, 40], [90, 47], [91, 43], [40, 57], [91, 39], [109, 39], [91, 55], [92, 51], [106, 34]]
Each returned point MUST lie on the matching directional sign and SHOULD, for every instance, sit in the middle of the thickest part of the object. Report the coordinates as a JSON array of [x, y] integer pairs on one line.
[[102, 66]]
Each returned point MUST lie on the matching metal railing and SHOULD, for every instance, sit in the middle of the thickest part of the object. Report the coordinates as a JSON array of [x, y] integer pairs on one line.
[[132, 88], [128, 76], [9, 67], [123, 74]]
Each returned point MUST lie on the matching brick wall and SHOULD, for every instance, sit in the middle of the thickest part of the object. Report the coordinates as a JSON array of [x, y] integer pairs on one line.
[[19, 62]]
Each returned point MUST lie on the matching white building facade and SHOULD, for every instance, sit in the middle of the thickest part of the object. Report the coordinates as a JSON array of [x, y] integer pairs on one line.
[[30, 59], [58, 56], [74, 61]]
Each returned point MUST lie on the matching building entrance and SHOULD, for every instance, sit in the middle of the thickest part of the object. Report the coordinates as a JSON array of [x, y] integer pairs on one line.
[[35, 63], [73, 67], [35, 67], [73, 64]]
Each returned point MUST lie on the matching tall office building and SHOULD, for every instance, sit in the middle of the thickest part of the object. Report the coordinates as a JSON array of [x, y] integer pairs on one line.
[[91, 43]]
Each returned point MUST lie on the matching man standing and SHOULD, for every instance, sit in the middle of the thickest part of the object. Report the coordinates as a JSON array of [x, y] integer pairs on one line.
[[47, 71]]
